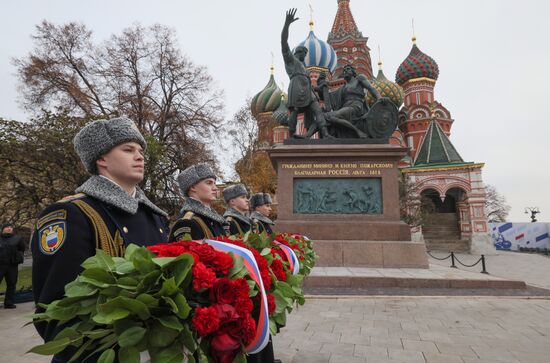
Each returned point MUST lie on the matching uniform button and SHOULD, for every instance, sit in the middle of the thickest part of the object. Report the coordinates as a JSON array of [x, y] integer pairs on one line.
[[161, 231], [125, 229]]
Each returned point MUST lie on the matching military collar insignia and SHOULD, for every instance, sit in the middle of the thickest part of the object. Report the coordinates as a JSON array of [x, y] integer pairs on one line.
[[197, 207], [108, 192], [232, 212], [260, 217]]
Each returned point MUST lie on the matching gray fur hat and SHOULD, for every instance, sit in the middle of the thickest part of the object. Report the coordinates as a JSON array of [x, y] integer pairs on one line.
[[234, 191], [259, 199], [98, 137], [192, 175]]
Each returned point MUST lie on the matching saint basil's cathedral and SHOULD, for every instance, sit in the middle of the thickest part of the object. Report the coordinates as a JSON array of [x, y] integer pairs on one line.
[[433, 164]]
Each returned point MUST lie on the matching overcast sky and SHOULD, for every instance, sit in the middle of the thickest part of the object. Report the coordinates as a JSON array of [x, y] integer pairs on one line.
[[493, 56]]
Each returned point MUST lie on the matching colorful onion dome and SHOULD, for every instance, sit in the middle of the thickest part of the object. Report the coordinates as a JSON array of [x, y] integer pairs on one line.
[[386, 88], [416, 65], [281, 114], [268, 99], [319, 53]]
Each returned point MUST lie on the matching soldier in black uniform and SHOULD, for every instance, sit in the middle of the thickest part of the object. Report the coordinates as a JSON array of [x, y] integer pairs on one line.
[[260, 205], [109, 212], [12, 249], [197, 219], [236, 199]]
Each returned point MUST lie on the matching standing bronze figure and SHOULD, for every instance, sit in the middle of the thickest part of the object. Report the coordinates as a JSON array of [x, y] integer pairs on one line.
[[301, 98]]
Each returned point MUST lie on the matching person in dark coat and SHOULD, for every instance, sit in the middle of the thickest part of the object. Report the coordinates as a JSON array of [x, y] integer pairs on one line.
[[12, 249], [109, 212], [197, 219], [260, 205], [236, 199]]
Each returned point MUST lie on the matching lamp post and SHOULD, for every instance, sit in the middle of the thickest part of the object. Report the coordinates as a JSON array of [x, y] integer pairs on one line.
[[534, 211]]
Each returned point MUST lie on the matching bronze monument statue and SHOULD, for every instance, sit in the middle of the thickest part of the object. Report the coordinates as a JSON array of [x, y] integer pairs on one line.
[[345, 114], [301, 98]]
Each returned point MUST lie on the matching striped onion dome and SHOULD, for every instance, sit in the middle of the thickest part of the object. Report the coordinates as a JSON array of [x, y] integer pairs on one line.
[[319, 53], [386, 88], [268, 99], [416, 65], [281, 114]]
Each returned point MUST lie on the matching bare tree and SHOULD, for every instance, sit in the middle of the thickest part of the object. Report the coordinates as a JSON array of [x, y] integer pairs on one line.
[[495, 205], [139, 73]]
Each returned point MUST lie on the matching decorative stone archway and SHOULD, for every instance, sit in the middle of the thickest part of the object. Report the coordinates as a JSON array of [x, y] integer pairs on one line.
[[464, 184]]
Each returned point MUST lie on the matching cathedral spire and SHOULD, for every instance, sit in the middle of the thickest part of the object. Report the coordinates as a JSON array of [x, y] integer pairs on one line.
[[348, 42]]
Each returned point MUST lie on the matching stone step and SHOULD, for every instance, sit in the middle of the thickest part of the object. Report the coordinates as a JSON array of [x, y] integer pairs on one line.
[[448, 245], [408, 282], [442, 217]]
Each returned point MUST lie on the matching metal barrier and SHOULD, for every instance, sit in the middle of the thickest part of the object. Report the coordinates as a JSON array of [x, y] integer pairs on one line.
[[454, 258]]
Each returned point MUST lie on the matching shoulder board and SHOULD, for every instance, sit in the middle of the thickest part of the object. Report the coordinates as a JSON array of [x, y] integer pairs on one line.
[[188, 215], [70, 198]]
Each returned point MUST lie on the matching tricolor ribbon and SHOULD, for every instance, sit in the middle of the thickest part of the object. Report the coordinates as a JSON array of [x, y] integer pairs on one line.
[[262, 327], [291, 257]]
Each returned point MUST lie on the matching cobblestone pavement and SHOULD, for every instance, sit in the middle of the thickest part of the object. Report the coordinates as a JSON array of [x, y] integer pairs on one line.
[[378, 329], [417, 329]]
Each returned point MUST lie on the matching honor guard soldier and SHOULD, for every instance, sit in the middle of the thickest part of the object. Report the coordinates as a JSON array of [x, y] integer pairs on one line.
[[197, 219], [260, 205], [109, 212], [236, 199]]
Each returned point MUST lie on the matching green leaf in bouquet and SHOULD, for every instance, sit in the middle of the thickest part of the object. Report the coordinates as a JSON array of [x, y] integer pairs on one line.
[[130, 250], [183, 264], [297, 290], [163, 261], [150, 279], [173, 354], [280, 301], [240, 358], [295, 280], [169, 287], [132, 305], [252, 287], [238, 270], [187, 339], [72, 334], [97, 275], [128, 355], [62, 313], [285, 289], [125, 268], [127, 282], [266, 251], [280, 318], [148, 300], [160, 336], [110, 316], [97, 334], [168, 300], [183, 307], [110, 291], [143, 260], [52, 347], [122, 325], [90, 262], [105, 261], [81, 350], [84, 326], [106, 343], [77, 288], [272, 326], [107, 356], [171, 322], [131, 336]]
